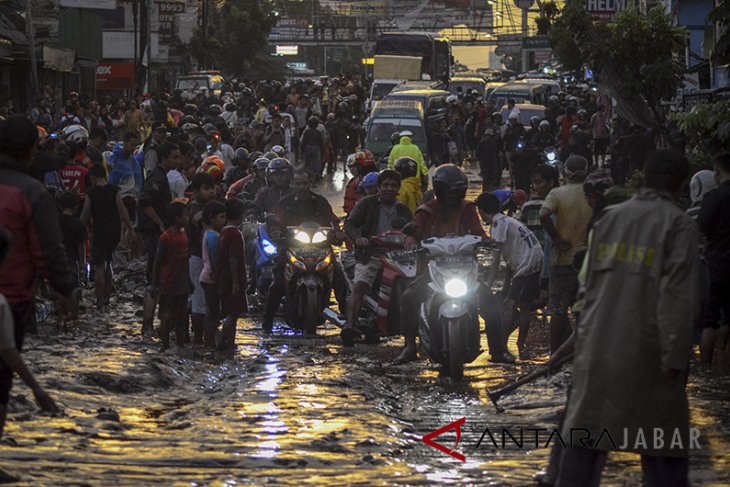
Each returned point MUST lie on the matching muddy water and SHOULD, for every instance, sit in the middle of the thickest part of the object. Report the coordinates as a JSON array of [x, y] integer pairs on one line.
[[285, 410]]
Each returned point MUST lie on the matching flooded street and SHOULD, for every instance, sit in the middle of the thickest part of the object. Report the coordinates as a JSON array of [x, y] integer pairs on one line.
[[286, 410]]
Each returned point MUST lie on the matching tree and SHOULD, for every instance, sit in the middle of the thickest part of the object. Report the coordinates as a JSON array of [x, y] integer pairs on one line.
[[636, 58], [721, 49], [548, 12], [707, 129], [236, 34]]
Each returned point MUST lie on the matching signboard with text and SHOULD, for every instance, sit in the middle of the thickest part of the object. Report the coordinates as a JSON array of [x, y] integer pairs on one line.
[[605, 9], [167, 11], [115, 76]]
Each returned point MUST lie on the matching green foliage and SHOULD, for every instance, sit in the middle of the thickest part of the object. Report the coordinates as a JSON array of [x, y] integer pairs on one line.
[[548, 12], [707, 129], [721, 49], [239, 30], [643, 51]]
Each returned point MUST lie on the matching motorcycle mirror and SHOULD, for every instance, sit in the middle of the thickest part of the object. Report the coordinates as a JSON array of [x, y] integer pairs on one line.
[[410, 229], [399, 223]]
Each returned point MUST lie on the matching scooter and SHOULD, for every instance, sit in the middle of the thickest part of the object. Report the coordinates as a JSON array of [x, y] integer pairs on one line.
[[308, 275], [380, 314], [448, 317]]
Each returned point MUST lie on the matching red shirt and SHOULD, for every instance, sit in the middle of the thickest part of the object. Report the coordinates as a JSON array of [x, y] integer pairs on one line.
[[172, 255], [230, 245], [433, 222], [74, 178]]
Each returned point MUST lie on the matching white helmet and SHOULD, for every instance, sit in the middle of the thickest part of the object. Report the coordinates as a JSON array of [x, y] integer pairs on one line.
[[452, 99], [701, 183], [76, 133], [351, 159]]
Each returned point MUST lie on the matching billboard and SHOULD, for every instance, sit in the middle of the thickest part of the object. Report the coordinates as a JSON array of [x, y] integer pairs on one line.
[[115, 76], [605, 9]]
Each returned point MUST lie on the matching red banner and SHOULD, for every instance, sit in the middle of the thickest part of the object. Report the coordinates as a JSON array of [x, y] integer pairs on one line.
[[115, 76]]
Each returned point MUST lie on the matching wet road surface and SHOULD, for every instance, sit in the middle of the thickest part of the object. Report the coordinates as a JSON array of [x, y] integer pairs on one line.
[[287, 410]]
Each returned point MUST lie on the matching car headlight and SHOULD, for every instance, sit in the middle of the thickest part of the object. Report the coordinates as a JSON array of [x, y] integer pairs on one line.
[[302, 237], [269, 248], [319, 237], [455, 288]]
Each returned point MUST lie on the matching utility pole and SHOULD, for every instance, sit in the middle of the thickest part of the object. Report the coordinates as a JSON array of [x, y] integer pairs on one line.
[[31, 55]]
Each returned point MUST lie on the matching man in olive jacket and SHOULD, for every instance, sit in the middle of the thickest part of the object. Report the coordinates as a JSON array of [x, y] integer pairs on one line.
[[371, 215], [634, 336]]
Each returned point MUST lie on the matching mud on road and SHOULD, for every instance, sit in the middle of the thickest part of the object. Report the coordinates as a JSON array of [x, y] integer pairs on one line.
[[285, 410]]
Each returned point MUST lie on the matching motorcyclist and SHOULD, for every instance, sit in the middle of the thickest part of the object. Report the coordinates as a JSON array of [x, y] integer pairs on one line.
[[406, 148], [369, 184], [448, 213], [394, 140], [298, 206], [240, 169], [236, 188], [524, 160], [372, 215], [410, 191], [364, 163], [544, 137], [278, 178]]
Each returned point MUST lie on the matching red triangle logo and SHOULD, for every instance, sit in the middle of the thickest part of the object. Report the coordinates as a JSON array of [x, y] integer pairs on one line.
[[428, 439]]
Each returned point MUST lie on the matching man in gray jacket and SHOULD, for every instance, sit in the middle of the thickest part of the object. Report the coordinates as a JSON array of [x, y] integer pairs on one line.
[[634, 336]]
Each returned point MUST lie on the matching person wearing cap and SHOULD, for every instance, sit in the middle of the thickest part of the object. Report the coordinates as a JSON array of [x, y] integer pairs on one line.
[[406, 148], [157, 138], [568, 235], [634, 334], [511, 201]]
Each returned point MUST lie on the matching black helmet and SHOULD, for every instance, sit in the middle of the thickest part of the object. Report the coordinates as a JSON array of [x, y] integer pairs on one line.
[[215, 110], [534, 120], [406, 167], [231, 107], [261, 164], [279, 164], [395, 137], [187, 119], [271, 155], [241, 153], [447, 178], [252, 156]]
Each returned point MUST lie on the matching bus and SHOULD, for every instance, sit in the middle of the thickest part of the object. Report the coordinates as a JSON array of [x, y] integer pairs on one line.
[[434, 51]]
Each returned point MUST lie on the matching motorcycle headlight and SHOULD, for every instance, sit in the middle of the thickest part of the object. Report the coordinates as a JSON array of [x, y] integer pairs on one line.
[[551, 156], [455, 288], [269, 247], [319, 237], [302, 237]]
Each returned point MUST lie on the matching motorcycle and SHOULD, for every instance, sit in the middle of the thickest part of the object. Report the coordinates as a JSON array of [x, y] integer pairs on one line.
[[448, 317], [308, 275], [381, 314], [266, 253]]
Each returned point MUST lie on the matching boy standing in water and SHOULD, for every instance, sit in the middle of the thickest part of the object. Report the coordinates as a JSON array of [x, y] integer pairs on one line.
[[214, 218], [105, 207], [170, 279], [231, 271]]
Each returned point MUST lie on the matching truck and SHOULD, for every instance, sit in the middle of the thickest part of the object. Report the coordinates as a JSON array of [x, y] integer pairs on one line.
[[434, 51]]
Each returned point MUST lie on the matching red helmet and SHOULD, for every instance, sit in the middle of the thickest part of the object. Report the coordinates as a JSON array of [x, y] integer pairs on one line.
[[365, 160], [214, 166]]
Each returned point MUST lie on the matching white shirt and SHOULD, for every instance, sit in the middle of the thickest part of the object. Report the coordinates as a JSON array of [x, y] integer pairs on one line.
[[520, 247], [178, 183]]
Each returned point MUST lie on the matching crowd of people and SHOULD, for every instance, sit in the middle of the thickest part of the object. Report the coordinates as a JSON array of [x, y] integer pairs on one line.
[[176, 179]]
